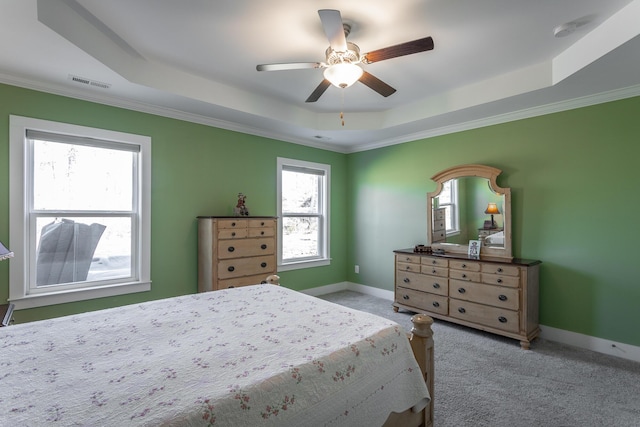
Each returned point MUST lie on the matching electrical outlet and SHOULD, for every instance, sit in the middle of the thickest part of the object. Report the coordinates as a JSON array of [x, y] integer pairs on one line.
[[357, 269]]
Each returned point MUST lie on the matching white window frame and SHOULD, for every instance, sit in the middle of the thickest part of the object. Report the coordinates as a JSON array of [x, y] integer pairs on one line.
[[454, 207], [22, 266], [323, 239]]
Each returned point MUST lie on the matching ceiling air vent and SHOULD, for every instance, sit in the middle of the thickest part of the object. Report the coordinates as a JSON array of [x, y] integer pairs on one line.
[[89, 82]]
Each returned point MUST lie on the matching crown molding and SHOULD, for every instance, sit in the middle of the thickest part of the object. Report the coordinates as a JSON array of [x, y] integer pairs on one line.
[[112, 101], [585, 101]]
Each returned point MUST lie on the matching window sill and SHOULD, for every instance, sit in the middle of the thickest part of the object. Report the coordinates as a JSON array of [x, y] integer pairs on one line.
[[304, 264], [53, 298]]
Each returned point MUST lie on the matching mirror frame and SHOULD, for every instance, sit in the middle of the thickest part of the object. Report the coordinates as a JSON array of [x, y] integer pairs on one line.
[[481, 171]]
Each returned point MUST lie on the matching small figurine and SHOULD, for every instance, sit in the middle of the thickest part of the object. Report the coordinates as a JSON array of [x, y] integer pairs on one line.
[[241, 209]]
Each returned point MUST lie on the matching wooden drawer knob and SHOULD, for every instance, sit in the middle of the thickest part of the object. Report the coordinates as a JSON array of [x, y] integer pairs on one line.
[[499, 280], [231, 268], [502, 297], [502, 319], [462, 290], [462, 310], [499, 270], [405, 297], [231, 249], [406, 280], [436, 285], [233, 224], [263, 246], [263, 265], [436, 304]]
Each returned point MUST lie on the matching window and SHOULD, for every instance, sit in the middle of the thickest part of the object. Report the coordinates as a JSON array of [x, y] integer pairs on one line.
[[303, 209], [448, 199], [80, 212]]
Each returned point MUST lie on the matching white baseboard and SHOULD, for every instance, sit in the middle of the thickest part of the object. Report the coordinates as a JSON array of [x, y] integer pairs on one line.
[[349, 286], [327, 289], [600, 345]]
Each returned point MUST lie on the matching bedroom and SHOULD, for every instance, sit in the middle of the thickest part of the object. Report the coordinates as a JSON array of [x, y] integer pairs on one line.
[[568, 171]]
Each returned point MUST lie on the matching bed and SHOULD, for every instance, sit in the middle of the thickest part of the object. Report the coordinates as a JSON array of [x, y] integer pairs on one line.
[[249, 356], [496, 239]]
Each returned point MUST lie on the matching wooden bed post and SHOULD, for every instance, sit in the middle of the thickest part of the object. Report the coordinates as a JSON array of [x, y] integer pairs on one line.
[[274, 279], [421, 339], [422, 345]]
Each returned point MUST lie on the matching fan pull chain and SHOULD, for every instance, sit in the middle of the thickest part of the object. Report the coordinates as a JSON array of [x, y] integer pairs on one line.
[[342, 108]]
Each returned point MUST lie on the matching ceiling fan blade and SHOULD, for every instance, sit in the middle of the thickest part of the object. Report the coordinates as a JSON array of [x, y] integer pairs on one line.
[[401, 49], [376, 84], [288, 66], [317, 93], [332, 24]]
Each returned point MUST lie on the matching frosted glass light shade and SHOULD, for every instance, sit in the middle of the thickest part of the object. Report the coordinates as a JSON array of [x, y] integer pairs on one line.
[[343, 75]]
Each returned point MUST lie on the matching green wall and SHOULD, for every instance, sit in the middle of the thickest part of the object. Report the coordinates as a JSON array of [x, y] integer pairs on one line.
[[574, 201], [196, 170], [575, 205]]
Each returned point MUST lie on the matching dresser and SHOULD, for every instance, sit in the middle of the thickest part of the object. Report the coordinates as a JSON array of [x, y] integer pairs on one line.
[[500, 297], [439, 227], [235, 251]]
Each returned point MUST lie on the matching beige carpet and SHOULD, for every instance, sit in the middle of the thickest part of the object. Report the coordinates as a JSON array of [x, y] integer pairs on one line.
[[486, 380]]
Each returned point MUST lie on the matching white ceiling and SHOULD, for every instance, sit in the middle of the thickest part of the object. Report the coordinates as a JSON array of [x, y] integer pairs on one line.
[[494, 61]]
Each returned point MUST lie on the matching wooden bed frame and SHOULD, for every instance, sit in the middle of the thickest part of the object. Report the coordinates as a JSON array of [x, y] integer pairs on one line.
[[421, 338]]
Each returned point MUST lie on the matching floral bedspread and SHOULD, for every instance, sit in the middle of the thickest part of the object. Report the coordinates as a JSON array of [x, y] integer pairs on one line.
[[251, 356]]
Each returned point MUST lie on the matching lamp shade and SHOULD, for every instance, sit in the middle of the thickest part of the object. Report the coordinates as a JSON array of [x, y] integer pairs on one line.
[[343, 74], [4, 252], [492, 209]]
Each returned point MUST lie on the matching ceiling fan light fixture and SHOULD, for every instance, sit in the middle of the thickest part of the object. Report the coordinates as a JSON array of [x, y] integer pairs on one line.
[[343, 74]]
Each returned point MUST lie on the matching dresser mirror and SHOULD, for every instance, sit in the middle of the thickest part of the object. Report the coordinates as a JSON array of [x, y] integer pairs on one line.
[[468, 204]]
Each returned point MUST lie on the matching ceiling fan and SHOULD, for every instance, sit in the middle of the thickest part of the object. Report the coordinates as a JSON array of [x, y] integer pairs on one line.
[[342, 58]]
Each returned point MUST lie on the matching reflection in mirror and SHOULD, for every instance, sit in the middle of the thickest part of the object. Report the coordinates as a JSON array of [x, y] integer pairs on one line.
[[469, 205], [464, 201]]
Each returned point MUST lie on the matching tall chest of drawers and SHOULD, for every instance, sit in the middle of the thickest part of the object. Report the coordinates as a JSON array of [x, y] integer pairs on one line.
[[235, 251], [497, 297], [439, 227]]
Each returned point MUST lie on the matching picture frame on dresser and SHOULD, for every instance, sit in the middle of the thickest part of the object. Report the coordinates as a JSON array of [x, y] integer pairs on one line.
[[474, 249]]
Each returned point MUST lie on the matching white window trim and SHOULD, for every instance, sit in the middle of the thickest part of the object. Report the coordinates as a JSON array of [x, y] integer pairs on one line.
[[18, 218], [453, 193], [325, 256]]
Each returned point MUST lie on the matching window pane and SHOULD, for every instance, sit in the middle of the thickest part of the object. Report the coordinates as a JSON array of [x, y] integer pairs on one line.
[[448, 218], [75, 249], [300, 192], [81, 177], [445, 194], [300, 237]]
